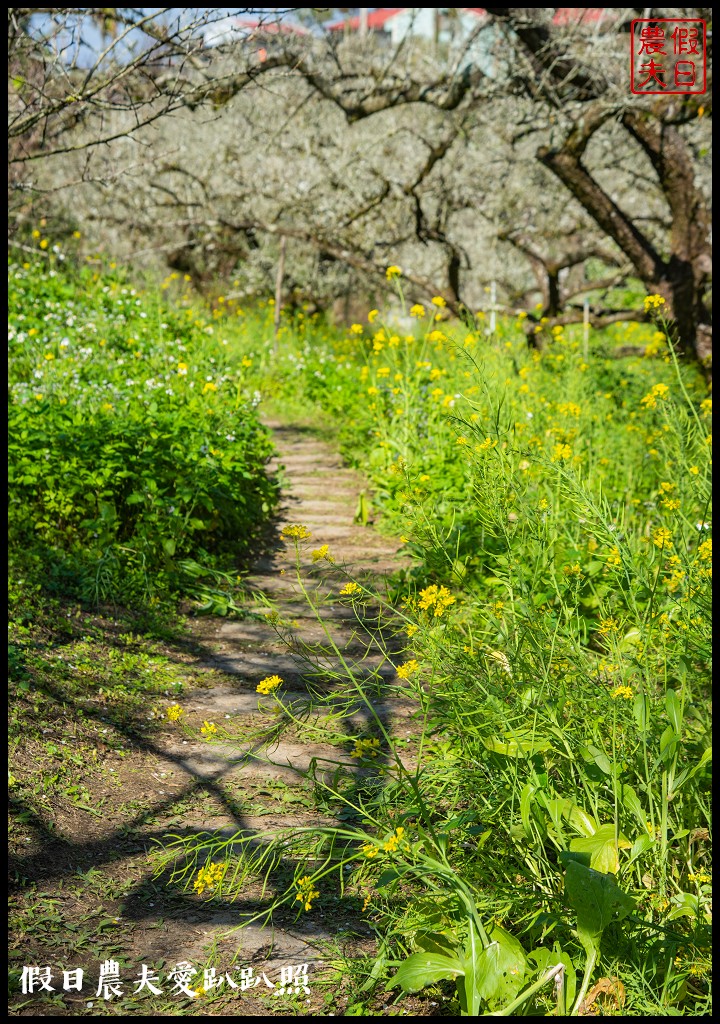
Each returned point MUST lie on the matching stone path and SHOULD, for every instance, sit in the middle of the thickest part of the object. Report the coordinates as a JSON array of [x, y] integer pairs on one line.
[[257, 783]]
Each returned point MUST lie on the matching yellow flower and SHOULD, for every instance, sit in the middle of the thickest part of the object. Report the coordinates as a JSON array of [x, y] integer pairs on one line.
[[369, 850], [268, 684], [322, 552], [706, 406], [487, 444], [436, 598], [295, 532], [462, 440], [306, 892], [560, 452], [411, 629], [614, 559], [366, 748], [372, 315], [573, 570], [44, 243], [705, 550], [174, 712], [608, 626], [622, 691], [406, 670], [438, 300], [662, 538], [392, 272], [694, 470], [209, 386], [36, 233], [356, 329], [351, 589], [395, 840], [436, 336], [208, 729], [656, 391], [182, 369], [209, 877], [417, 310], [653, 302], [246, 362]]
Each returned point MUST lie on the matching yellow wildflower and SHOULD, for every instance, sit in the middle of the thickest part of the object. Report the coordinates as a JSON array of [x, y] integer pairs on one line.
[[406, 670], [174, 712], [653, 302], [560, 452], [351, 589], [209, 877], [268, 684], [372, 315], [436, 598], [613, 559], [705, 550], [392, 272], [295, 532], [656, 391], [438, 300], [366, 748], [322, 552], [622, 691], [662, 538], [356, 329], [417, 310], [208, 729], [306, 892]]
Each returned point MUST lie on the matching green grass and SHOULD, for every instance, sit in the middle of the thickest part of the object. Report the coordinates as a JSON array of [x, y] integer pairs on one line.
[[550, 815]]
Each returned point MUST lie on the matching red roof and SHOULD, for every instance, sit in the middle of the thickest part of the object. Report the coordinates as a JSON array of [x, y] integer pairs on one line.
[[250, 24], [377, 18], [578, 15]]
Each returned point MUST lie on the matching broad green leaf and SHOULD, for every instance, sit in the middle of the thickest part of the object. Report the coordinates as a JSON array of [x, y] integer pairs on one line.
[[674, 711], [525, 805], [565, 812], [631, 802], [500, 968], [544, 959], [516, 746], [436, 942], [593, 755], [423, 969], [597, 901], [690, 773], [641, 710], [602, 849], [668, 744]]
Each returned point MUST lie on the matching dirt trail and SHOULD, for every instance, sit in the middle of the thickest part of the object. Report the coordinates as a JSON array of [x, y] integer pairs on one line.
[[256, 783]]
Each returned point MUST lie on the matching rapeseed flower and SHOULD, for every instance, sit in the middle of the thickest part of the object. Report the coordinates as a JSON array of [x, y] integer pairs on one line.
[[295, 532], [268, 684], [306, 892]]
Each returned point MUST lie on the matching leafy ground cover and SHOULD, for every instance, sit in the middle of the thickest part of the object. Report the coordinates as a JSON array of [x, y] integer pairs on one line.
[[544, 844], [557, 500]]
